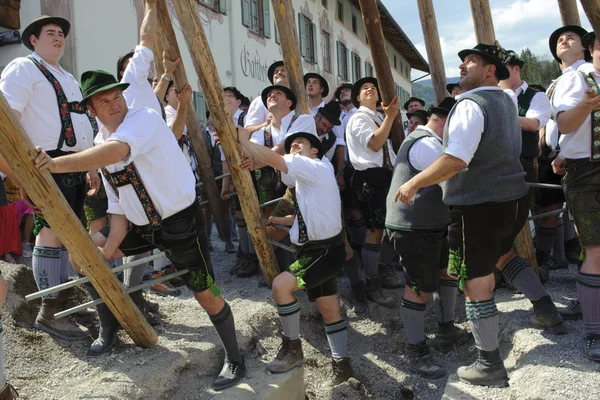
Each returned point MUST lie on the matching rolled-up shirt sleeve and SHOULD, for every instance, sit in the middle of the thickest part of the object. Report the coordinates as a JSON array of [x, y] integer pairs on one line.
[[16, 85], [570, 90], [339, 135], [258, 137], [464, 130], [363, 128], [302, 168], [137, 132], [540, 109]]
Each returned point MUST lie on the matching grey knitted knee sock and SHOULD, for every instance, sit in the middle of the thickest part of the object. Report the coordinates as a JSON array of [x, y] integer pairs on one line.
[[445, 300], [520, 274], [413, 318], [484, 320], [290, 319], [588, 290], [46, 264], [337, 336]]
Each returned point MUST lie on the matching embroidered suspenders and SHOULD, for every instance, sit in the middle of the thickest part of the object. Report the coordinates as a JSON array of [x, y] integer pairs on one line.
[[387, 162], [67, 134], [268, 137], [595, 119], [129, 176], [302, 231]]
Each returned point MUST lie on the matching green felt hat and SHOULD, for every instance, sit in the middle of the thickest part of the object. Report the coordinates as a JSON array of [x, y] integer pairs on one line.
[[94, 82]]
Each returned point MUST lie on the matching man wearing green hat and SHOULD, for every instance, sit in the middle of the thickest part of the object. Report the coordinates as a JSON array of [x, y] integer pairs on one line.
[[578, 118], [483, 133], [317, 231], [45, 98], [151, 204]]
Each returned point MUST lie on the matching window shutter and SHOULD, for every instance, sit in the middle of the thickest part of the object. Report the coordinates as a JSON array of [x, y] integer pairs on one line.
[[315, 56], [359, 66], [301, 34], [339, 54], [223, 7], [266, 19], [246, 13]]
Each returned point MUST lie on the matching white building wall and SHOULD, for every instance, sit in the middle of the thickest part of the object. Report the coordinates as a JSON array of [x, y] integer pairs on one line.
[[100, 35]]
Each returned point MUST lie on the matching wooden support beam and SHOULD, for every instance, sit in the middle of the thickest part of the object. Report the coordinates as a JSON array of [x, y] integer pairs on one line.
[[592, 10], [206, 70], [524, 244], [19, 153], [434, 49], [569, 14], [381, 62], [482, 19], [9, 14], [167, 41], [283, 11]]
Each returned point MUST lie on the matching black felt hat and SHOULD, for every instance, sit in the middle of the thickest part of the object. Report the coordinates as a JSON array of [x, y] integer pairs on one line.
[[513, 59], [238, 95], [271, 70], [288, 93], [338, 90], [444, 107], [450, 87], [312, 138], [411, 100], [420, 114], [358, 84], [332, 112], [588, 40], [39, 22], [493, 54], [94, 82], [122, 60], [323, 81], [567, 28]]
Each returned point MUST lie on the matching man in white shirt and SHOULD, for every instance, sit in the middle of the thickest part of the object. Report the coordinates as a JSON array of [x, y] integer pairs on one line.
[[152, 203], [371, 155], [419, 233], [413, 104], [257, 112], [577, 108], [45, 98], [483, 133], [317, 230], [317, 90]]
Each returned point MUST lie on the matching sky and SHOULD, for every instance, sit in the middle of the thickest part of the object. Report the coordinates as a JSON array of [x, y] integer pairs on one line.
[[518, 24]]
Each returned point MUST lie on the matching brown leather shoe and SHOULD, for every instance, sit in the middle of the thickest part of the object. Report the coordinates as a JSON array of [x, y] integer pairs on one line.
[[290, 356], [341, 371], [64, 328], [8, 392]]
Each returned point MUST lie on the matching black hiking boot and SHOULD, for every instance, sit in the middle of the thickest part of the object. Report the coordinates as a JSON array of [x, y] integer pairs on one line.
[[591, 347], [487, 370], [421, 362], [359, 298], [388, 278], [572, 312], [547, 317], [447, 335], [376, 294]]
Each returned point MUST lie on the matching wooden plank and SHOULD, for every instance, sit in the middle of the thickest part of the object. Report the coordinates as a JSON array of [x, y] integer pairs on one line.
[[283, 12], [381, 63], [9, 14], [525, 249], [206, 70], [482, 19], [20, 154], [569, 14], [434, 49], [592, 10], [167, 41]]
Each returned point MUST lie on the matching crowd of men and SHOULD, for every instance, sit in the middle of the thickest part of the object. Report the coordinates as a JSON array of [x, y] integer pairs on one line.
[[449, 202]]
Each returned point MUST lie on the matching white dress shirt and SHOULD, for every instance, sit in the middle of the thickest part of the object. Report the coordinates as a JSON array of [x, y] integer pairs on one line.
[[340, 131], [467, 125], [539, 108], [361, 128], [257, 113], [315, 110], [570, 90], [28, 91], [426, 150], [140, 93], [171, 113], [162, 168], [317, 196], [236, 118], [304, 123]]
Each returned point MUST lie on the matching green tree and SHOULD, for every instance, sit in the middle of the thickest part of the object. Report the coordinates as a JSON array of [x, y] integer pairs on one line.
[[537, 69]]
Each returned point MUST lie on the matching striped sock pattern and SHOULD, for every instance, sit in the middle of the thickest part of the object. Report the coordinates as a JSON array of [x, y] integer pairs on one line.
[[413, 318], [290, 319], [445, 300], [519, 273], [337, 337], [484, 320], [588, 290]]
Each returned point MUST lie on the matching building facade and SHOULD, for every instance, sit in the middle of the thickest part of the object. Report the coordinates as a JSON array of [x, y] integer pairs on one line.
[[242, 36]]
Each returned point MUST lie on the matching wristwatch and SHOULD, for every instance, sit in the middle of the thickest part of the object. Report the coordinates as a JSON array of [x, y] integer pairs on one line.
[[166, 78]]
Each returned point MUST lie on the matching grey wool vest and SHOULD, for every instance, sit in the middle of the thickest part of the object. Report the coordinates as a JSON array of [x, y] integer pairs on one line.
[[495, 173], [427, 212]]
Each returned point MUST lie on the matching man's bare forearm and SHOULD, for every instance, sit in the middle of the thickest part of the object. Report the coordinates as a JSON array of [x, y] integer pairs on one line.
[[119, 226], [381, 134], [178, 124], [92, 158], [264, 155], [149, 24], [569, 121], [529, 124]]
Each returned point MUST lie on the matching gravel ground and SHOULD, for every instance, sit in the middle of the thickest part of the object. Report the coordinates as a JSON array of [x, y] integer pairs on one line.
[[188, 354]]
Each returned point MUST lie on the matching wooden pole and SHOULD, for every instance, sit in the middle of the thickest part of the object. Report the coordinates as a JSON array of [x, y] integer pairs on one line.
[[434, 49], [482, 19], [484, 30], [167, 41], [206, 69], [381, 62], [592, 10], [19, 153], [568, 12], [9, 14], [283, 12]]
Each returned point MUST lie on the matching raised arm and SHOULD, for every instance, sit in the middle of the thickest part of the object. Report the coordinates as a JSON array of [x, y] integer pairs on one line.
[[149, 24]]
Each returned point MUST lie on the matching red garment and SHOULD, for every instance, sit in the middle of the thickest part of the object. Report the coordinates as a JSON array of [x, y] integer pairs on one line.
[[10, 234]]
